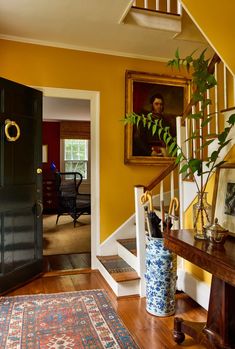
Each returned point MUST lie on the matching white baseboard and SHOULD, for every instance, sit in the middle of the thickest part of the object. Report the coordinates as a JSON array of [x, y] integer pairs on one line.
[[195, 288]]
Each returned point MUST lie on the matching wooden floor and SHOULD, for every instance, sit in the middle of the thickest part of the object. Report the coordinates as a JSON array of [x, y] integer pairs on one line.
[[149, 332], [67, 262]]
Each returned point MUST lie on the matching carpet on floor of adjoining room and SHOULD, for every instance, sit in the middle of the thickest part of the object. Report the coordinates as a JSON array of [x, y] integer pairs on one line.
[[64, 238], [68, 320]]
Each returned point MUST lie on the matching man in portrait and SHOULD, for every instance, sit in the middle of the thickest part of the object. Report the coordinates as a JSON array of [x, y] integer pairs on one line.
[[146, 144]]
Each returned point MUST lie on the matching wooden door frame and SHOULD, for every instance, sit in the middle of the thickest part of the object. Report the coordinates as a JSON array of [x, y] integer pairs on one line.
[[94, 98]]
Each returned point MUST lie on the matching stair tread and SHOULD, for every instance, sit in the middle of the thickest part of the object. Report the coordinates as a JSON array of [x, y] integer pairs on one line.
[[129, 244], [119, 269]]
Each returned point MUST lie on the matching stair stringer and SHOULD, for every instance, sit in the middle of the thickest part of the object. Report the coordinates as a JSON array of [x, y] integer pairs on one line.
[[126, 230], [129, 257]]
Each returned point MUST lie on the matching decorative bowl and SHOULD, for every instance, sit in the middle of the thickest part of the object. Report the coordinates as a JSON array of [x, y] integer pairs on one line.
[[216, 234]]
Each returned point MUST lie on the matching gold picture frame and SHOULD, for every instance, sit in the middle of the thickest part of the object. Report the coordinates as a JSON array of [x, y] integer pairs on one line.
[[139, 88], [223, 202]]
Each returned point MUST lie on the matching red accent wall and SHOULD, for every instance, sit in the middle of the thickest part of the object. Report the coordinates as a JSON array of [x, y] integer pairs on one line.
[[51, 137]]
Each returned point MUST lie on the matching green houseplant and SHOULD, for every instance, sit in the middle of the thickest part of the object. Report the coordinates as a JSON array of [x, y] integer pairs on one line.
[[202, 72]]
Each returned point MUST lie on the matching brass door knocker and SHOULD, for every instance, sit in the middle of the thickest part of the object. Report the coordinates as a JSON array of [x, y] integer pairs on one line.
[[8, 125], [39, 208]]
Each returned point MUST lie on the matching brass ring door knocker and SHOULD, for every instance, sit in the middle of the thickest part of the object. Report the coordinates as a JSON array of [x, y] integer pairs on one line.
[[39, 208], [8, 125]]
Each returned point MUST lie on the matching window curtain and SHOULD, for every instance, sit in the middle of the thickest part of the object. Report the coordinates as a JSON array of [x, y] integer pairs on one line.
[[75, 130]]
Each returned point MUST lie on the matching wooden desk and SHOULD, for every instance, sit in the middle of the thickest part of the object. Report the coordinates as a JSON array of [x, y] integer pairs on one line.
[[219, 330]]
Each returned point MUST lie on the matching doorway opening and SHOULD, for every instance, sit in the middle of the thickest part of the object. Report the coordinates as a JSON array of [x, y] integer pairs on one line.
[[65, 246]]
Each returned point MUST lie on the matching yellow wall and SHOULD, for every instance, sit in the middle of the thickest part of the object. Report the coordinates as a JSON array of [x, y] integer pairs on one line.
[[53, 67], [215, 18]]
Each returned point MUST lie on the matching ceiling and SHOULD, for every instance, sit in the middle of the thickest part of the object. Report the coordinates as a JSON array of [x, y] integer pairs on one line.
[[92, 25], [56, 109]]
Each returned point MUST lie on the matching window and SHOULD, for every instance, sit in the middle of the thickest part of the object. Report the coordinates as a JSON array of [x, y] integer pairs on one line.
[[76, 156]]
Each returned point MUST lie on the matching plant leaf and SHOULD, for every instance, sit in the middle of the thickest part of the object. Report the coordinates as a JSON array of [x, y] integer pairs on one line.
[[184, 168], [231, 119]]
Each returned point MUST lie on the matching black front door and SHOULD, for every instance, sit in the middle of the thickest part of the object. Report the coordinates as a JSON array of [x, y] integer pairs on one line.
[[20, 184]]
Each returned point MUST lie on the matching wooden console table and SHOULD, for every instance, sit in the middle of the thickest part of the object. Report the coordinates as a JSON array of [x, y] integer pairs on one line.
[[219, 330]]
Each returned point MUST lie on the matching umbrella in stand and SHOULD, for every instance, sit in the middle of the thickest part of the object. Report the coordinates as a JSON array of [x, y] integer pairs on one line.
[[153, 221], [174, 204]]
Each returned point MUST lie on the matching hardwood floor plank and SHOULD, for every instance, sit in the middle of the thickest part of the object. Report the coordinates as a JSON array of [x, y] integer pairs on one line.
[[67, 262], [58, 284], [80, 260]]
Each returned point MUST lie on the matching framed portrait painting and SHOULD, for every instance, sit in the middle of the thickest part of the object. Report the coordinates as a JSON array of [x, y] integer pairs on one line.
[[224, 197], [146, 93]]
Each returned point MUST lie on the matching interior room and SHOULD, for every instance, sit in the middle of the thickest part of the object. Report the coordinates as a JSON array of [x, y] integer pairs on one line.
[[104, 244], [65, 141]]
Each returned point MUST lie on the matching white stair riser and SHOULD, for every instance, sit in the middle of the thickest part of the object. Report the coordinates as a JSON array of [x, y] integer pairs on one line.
[[128, 288], [120, 289]]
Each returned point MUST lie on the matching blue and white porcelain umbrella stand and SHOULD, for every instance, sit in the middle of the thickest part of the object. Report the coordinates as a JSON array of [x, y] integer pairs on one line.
[[160, 278]]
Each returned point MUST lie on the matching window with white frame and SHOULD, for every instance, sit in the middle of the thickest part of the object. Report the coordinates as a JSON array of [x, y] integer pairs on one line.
[[76, 156]]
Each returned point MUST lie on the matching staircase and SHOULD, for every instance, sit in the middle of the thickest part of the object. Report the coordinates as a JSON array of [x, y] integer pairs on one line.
[[122, 259]]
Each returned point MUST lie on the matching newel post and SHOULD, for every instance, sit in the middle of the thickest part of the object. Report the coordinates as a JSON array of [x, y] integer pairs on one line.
[[140, 238], [180, 141]]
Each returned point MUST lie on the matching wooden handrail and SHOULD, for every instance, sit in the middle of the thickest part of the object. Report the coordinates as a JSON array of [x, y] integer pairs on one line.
[[158, 179], [211, 68]]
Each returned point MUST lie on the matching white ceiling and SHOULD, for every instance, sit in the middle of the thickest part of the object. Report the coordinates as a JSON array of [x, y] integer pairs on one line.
[[55, 109], [90, 25]]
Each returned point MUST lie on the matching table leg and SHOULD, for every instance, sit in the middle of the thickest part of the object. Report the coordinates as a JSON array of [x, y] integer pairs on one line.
[[218, 331]]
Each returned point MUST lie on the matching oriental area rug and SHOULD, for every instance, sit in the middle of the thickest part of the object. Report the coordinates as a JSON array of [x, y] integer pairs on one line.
[[68, 320]]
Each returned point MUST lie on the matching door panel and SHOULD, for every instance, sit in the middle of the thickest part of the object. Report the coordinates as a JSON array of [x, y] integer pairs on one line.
[[21, 169], [20, 185]]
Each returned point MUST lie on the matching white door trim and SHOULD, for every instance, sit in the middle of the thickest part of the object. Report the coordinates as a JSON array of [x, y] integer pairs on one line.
[[94, 98]]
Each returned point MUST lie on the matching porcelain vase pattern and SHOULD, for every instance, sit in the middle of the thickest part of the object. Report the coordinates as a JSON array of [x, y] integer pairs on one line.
[[161, 267]]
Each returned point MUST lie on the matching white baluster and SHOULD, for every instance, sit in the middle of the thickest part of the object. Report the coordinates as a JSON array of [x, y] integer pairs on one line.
[[225, 88], [194, 129], [179, 8], [208, 110], [172, 184], [146, 4], [187, 136], [162, 202], [157, 5], [168, 6], [140, 238], [200, 132], [180, 142], [216, 102]]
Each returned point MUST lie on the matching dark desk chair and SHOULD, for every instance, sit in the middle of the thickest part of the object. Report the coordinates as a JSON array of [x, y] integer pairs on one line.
[[70, 201]]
